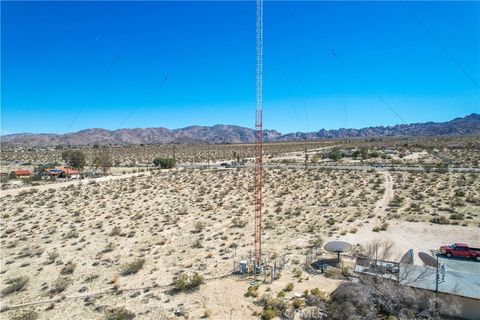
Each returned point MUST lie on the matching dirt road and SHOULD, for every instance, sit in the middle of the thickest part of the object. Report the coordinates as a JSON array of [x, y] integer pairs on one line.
[[58, 185]]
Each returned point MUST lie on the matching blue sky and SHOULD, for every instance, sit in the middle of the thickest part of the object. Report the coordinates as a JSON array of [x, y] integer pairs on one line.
[[67, 66]]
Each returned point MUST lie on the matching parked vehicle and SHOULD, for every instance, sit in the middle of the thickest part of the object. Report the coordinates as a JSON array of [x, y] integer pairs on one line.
[[460, 250]]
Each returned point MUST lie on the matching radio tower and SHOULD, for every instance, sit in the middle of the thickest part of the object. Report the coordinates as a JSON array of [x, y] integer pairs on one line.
[[258, 134]]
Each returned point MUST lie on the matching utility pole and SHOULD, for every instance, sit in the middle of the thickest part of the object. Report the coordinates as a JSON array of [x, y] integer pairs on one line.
[[258, 135], [306, 158]]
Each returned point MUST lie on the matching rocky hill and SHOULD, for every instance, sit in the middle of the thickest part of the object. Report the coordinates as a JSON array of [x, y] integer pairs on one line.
[[469, 125]]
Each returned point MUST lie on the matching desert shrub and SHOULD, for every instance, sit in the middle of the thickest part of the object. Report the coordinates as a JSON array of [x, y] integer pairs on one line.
[[289, 287], [345, 271], [14, 285], [119, 314], [52, 256], [374, 298], [108, 248], [115, 231], [181, 281], [272, 307], [457, 216], [238, 223], [60, 285], [333, 273], [315, 292], [199, 226], [269, 314], [132, 267], [29, 314], [252, 291], [382, 227], [440, 220], [335, 155], [297, 303], [68, 268], [207, 313], [184, 282], [196, 280], [164, 163]]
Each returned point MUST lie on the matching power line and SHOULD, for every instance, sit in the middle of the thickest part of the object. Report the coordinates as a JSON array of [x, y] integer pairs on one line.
[[151, 93], [302, 96], [440, 45], [366, 85], [107, 70]]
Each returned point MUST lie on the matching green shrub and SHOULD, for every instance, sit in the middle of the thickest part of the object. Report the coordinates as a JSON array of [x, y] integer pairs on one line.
[[252, 291], [184, 282], [297, 303], [132, 267], [289, 287], [164, 163], [269, 314]]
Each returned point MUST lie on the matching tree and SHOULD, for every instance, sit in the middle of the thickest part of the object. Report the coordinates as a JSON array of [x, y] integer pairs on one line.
[[335, 155], [74, 158], [364, 153], [164, 163], [103, 160]]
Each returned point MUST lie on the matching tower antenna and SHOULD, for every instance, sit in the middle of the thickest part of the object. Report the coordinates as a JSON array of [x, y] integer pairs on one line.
[[258, 134]]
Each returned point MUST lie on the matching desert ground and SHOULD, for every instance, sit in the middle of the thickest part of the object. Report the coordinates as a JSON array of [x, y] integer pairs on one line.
[[87, 249]]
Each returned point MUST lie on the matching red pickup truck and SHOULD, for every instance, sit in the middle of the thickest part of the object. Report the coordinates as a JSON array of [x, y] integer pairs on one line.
[[460, 250]]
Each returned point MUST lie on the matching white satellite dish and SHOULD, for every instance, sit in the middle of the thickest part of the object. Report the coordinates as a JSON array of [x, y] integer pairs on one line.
[[337, 247]]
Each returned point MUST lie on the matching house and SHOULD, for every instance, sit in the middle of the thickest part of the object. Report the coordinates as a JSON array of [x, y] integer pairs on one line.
[[21, 173], [50, 173], [65, 173], [70, 173]]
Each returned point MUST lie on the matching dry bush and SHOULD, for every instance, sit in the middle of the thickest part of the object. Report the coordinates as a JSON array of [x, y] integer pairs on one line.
[[119, 314], [14, 285], [132, 267]]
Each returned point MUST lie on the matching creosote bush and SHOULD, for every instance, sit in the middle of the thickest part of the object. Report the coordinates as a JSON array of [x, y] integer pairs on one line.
[[14, 285], [185, 282], [119, 314], [60, 285], [131, 267]]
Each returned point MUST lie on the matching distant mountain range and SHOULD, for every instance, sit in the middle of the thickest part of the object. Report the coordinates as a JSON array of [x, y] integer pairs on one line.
[[469, 125]]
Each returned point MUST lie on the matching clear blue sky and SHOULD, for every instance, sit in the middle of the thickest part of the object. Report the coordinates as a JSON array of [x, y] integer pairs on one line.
[[107, 62]]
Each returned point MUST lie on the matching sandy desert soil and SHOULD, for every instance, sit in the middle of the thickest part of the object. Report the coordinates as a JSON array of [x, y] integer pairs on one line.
[[75, 239]]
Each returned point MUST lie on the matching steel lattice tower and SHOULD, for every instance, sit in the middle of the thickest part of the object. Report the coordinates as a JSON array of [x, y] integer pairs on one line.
[[258, 134]]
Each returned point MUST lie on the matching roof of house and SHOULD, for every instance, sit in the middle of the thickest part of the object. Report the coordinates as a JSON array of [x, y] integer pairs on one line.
[[53, 171], [70, 171], [22, 172]]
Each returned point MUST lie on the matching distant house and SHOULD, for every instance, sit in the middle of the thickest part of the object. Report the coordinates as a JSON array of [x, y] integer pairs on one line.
[[50, 173], [21, 173], [65, 173], [70, 173]]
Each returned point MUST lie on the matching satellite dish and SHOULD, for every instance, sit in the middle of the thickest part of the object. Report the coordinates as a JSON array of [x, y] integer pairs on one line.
[[428, 259], [337, 247], [407, 257]]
